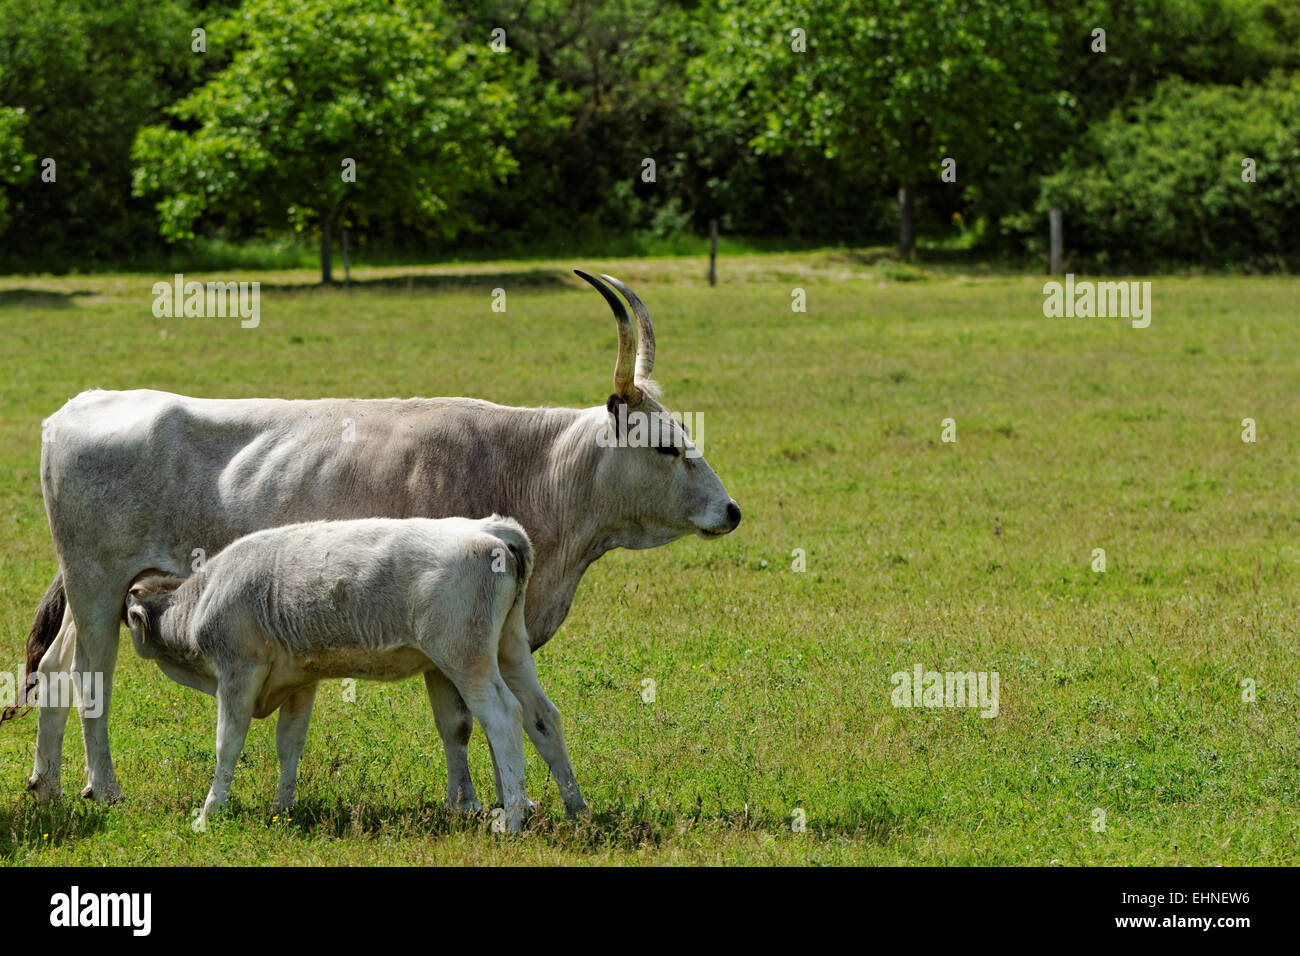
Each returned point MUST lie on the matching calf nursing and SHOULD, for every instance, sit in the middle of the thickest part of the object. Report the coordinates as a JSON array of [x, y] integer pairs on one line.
[[280, 610]]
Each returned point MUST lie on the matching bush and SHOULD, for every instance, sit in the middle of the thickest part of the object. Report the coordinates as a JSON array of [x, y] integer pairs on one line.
[[1164, 179]]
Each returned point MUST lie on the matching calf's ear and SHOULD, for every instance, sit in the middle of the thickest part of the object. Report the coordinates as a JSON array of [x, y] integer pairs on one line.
[[137, 617]]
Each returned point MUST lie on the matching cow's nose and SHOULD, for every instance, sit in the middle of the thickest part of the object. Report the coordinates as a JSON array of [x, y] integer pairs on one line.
[[733, 514]]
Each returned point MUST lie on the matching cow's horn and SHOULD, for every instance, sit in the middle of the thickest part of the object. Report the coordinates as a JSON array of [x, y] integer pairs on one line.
[[625, 369], [645, 347]]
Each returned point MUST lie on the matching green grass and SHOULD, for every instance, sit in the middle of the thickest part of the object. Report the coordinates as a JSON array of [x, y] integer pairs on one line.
[[1119, 691]]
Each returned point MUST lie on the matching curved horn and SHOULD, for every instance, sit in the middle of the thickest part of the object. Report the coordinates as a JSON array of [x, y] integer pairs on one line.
[[645, 349], [624, 370]]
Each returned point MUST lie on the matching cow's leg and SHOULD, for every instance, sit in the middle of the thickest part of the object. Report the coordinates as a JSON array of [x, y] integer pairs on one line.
[[540, 716], [290, 736], [54, 670], [490, 700], [98, 615], [236, 697], [496, 775], [454, 723]]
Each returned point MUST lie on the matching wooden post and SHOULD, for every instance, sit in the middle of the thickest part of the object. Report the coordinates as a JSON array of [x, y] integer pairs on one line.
[[1054, 219], [906, 224], [347, 269], [713, 252], [326, 271]]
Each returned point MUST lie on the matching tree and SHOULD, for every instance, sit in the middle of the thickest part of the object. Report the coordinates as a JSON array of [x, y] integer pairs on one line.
[[86, 74], [606, 95], [897, 85], [329, 114]]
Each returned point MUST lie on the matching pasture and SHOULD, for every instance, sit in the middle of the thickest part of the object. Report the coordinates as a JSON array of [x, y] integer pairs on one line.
[[1120, 691]]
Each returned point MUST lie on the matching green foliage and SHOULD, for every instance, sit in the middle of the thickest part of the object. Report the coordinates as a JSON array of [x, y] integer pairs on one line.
[[607, 94], [888, 90], [884, 86], [1163, 178], [15, 164], [312, 84], [1148, 41], [461, 148], [87, 74]]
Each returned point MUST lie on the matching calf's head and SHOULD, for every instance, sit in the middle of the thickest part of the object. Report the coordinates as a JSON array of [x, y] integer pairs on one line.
[[150, 594], [649, 471]]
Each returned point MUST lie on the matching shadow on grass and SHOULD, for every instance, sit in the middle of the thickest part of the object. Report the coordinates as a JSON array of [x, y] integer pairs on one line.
[[940, 261], [39, 298], [620, 828], [440, 282], [26, 824]]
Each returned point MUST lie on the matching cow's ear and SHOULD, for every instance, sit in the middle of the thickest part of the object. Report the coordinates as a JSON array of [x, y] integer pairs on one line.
[[612, 406]]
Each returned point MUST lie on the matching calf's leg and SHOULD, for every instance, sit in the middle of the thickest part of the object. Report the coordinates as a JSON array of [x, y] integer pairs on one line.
[[236, 696], [290, 736], [454, 723], [490, 700]]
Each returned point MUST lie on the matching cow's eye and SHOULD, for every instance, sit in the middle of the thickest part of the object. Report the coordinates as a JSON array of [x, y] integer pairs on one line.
[[668, 449]]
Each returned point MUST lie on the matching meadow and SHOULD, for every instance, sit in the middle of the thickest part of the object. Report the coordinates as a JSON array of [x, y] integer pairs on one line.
[[1148, 713]]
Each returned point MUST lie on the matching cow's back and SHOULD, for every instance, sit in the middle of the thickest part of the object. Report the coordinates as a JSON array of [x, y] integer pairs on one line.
[[149, 471]]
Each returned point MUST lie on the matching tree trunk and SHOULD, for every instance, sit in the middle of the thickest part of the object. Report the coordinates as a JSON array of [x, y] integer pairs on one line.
[[326, 275], [906, 229]]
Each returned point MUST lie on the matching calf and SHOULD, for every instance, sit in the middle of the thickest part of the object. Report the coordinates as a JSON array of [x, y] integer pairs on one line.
[[278, 611]]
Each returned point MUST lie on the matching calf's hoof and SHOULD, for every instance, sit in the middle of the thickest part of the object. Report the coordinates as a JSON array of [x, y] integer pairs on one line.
[[461, 805], [580, 812]]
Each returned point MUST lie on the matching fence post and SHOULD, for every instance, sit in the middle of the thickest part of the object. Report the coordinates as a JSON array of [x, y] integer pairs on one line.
[[347, 271], [1054, 218], [713, 252]]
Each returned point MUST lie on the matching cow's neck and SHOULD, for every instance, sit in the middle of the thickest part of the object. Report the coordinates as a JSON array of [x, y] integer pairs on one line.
[[549, 485], [537, 465]]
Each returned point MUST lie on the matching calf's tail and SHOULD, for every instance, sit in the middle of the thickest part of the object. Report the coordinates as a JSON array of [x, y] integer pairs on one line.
[[49, 618], [513, 535]]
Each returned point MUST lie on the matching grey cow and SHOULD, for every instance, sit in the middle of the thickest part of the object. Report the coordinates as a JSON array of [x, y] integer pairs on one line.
[[144, 480]]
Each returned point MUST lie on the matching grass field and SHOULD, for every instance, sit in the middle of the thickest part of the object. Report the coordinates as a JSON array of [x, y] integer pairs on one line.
[[1120, 691]]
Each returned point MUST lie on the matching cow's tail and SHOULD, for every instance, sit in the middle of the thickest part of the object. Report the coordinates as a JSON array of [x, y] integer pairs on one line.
[[49, 618], [513, 535]]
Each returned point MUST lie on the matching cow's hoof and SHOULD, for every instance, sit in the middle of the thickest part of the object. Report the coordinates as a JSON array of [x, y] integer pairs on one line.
[[514, 818], [45, 790], [580, 812], [280, 804], [107, 795]]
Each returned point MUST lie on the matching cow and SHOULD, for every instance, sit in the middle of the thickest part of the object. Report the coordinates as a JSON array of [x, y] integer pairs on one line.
[[279, 610], [144, 479]]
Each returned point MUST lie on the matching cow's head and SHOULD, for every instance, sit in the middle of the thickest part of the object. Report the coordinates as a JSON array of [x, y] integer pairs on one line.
[[661, 484]]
